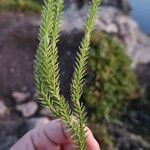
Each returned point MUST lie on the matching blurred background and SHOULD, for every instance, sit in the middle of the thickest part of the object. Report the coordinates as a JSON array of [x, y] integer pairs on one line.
[[117, 90]]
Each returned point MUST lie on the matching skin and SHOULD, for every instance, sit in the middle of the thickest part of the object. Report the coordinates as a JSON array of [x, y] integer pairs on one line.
[[52, 136]]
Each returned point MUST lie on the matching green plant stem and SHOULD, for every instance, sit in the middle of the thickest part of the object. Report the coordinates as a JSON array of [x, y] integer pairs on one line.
[[47, 69]]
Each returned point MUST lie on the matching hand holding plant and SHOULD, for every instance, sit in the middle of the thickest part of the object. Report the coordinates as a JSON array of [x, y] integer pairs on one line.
[[53, 136]]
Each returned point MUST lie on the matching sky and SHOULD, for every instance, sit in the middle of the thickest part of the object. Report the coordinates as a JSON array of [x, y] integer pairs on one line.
[[141, 13]]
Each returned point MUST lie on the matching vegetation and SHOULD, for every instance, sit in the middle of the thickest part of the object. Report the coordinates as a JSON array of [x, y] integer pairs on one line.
[[20, 5], [47, 68], [111, 82]]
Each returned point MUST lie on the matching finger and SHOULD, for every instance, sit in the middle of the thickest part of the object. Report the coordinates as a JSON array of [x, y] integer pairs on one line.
[[91, 143], [31, 142], [69, 146], [55, 132], [24, 144], [47, 137], [41, 141]]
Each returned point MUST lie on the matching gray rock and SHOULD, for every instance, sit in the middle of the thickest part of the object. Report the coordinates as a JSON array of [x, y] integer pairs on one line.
[[140, 141], [113, 22], [8, 132], [122, 5], [3, 109], [20, 97], [20, 32], [125, 140], [17, 35], [27, 109], [7, 142]]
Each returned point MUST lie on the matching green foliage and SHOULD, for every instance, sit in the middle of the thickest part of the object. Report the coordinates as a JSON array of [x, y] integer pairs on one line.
[[20, 5], [111, 80], [47, 68]]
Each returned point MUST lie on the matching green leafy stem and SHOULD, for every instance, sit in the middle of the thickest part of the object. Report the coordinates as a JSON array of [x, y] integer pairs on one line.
[[47, 69]]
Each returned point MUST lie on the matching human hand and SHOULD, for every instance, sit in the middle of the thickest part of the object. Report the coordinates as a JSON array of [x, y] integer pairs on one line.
[[52, 136]]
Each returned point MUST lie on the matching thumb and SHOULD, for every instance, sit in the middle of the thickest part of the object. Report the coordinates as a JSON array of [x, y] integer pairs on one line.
[[48, 136], [55, 131]]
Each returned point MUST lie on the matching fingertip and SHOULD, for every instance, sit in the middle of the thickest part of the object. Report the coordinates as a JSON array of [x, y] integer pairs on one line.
[[92, 144]]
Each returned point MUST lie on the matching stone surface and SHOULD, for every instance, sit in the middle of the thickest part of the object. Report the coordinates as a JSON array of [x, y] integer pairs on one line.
[[20, 97], [139, 140], [143, 75], [20, 32], [8, 133], [27, 109], [18, 42], [113, 22], [122, 5], [3, 109], [125, 140]]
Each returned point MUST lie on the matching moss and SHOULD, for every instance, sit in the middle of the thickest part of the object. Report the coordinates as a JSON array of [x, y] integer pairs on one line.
[[20, 5], [111, 82]]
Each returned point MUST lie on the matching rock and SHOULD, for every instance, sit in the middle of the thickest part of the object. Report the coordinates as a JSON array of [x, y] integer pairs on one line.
[[125, 140], [143, 74], [123, 5], [3, 109], [21, 36], [20, 97], [8, 132], [7, 142], [113, 22], [27, 109], [139, 140], [139, 118]]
